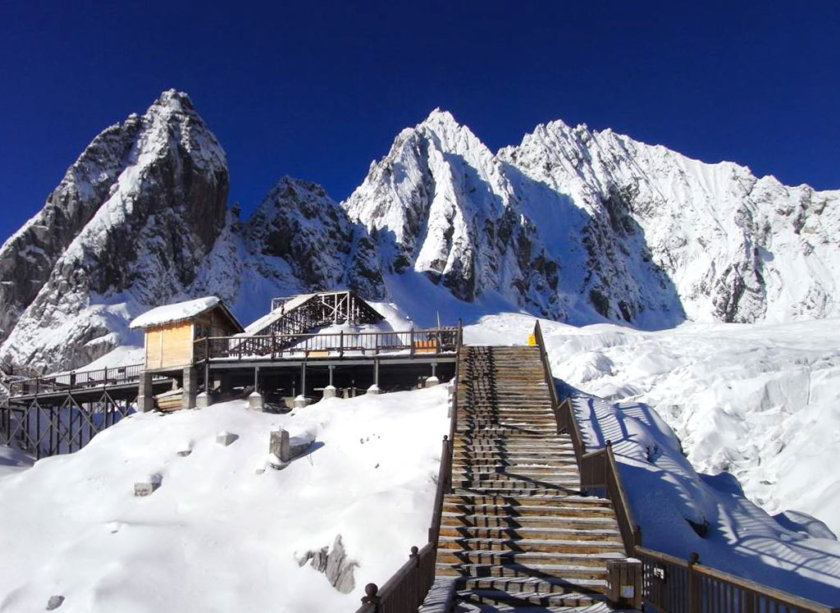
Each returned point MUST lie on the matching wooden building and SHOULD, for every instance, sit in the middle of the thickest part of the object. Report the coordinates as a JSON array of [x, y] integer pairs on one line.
[[171, 331]]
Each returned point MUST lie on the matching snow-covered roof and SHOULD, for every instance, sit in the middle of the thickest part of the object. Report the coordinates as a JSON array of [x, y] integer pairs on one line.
[[171, 313], [266, 320]]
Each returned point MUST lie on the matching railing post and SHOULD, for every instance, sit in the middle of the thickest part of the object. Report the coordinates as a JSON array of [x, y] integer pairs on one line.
[[371, 596], [694, 596], [206, 348], [411, 341], [341, 344], [273, 344]]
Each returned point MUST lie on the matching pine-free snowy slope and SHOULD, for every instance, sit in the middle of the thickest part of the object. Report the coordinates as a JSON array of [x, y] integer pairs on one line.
[[217, 536]]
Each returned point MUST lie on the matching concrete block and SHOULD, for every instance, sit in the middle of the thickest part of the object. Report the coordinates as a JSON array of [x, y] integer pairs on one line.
[[374, 389], [275, 462], [203, 400], [329, 392], [278, 444], [225, 438], [302, 401], [432, 381], [147, 486], [256, 402]]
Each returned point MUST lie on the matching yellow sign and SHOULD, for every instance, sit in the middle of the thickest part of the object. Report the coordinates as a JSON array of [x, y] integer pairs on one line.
[[532, 340]]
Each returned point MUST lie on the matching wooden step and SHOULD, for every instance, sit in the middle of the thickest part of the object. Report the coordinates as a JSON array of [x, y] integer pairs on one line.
[[522, 585], [494, 597], [491, 520], [576, 568], [526, 558], [515, 534], [553, 545]]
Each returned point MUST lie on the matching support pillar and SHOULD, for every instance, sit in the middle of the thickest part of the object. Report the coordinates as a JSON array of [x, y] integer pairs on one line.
[[145, 399], [433, 380], [190, 387], [374, 389], [329, 391], [301, 399]]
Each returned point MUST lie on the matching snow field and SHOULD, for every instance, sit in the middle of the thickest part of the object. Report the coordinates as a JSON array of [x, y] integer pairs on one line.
[[219, 534]]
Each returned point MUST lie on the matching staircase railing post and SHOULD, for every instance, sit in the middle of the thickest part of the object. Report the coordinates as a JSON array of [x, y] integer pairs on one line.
[[694, 596], [371, 596]]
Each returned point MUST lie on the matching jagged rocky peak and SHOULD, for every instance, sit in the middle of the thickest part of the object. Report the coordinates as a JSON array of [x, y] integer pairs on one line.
[[429, 202], [299, 223], [133, 217], [725, 240]]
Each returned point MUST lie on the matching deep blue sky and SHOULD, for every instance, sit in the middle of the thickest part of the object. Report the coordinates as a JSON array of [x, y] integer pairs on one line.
[[319, 89]]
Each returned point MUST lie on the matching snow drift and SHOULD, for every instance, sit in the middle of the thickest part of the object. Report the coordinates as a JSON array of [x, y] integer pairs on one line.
[[219, 534]]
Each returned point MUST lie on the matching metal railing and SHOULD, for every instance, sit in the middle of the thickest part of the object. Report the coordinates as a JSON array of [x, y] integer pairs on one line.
[[329, 345], [669, 584], [74, 381], [405, 590]]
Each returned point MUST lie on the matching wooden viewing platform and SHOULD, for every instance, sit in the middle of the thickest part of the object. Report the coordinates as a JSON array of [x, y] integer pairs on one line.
[[282, 365]]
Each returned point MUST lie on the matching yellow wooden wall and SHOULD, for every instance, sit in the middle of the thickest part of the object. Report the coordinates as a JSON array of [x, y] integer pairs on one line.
[[170, 345]]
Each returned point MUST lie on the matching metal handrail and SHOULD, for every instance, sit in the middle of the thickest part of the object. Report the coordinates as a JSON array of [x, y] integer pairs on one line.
[[76, 380], [434, 340]]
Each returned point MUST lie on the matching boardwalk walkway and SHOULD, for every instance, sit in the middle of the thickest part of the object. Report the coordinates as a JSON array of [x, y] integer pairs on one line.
[[516, 531]]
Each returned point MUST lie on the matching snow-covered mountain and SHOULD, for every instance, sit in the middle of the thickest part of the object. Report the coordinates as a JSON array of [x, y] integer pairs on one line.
[[579, 225], [136, 213], [575, 225]]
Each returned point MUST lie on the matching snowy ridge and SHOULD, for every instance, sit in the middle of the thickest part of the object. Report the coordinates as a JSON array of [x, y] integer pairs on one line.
[[584, 226]]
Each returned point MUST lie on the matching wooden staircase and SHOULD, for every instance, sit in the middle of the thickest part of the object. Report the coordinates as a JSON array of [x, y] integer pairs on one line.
[[516, 531]]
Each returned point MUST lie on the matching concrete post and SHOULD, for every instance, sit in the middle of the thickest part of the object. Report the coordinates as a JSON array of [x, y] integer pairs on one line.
[[279, 445], [202, 401], [301, 400], [145, 400], [190, 387], [256, 401]]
